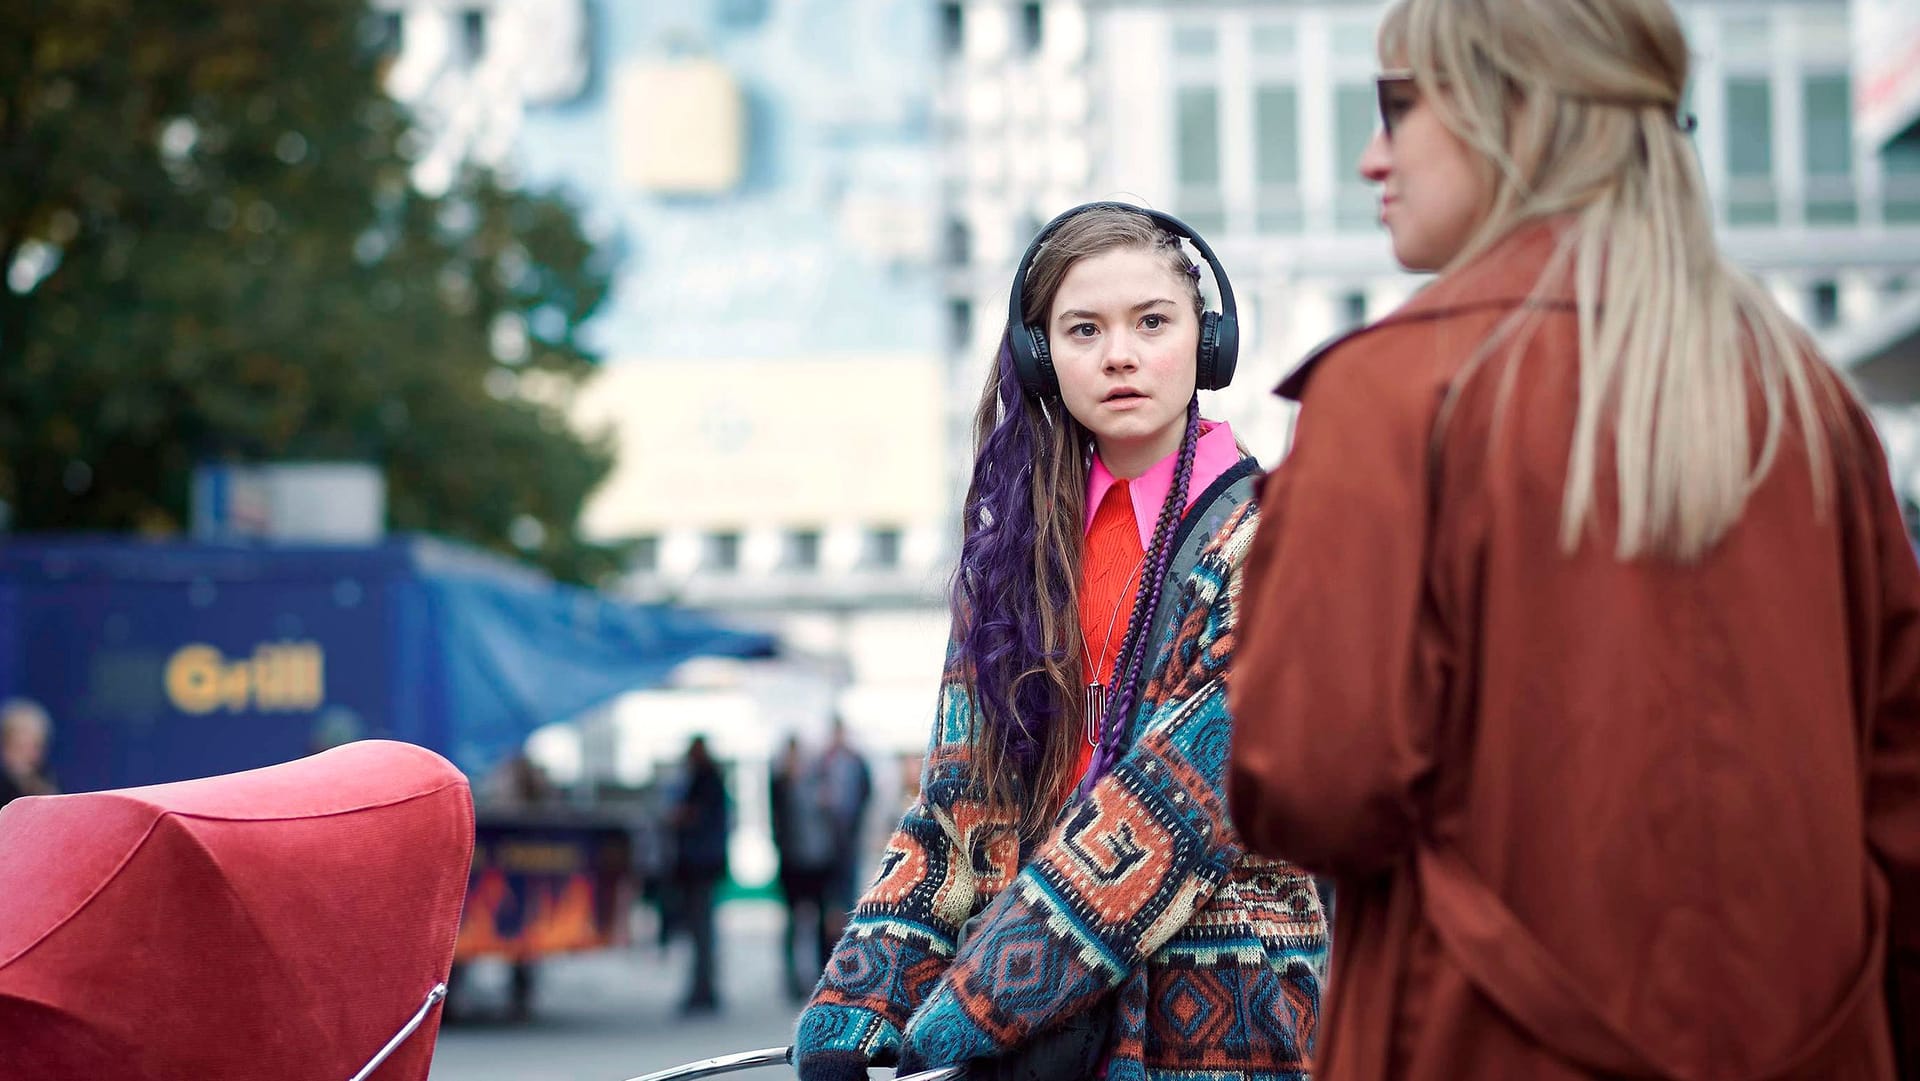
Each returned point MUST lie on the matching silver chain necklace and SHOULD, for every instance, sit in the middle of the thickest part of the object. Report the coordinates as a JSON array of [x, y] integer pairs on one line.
[[1094, 710]]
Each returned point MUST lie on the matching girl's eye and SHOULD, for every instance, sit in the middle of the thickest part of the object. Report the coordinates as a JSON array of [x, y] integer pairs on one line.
[[1080, 330], [1154, 322]]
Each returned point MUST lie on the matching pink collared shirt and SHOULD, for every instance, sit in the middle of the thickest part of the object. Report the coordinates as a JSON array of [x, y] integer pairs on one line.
[[1213, 454]]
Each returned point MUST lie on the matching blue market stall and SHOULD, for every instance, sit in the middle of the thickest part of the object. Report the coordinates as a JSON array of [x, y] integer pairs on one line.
[[166, 660]]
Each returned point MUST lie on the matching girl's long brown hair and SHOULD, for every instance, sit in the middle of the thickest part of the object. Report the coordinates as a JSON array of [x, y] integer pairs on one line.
[[1015, 597]]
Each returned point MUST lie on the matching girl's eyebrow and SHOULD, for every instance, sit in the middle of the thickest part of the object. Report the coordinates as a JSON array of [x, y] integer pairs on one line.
[[1082, 313]]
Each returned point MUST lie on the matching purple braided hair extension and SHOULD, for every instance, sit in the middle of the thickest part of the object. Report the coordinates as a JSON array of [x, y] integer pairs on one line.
[[997, 596], [1146, 603]]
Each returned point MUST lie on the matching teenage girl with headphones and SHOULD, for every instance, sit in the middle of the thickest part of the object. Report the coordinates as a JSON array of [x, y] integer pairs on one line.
[[1067, 899]]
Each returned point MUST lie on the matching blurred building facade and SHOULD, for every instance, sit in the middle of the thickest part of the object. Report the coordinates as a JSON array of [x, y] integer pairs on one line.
[[771, 377], [821, 203], [1883, 350], [1247, 119]]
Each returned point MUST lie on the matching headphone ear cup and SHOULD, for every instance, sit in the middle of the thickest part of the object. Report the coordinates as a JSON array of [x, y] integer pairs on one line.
[[1025, 366], [1208, 358], [1219, 350], [1047, 381], [1031, 360]]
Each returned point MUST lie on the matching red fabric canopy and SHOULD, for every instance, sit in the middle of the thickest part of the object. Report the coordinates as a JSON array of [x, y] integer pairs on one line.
[[281, 923]]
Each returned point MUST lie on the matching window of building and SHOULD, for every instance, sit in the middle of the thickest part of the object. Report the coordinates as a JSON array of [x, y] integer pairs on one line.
[[644, 555], [1195, 42], [1823, 309], [1197, 156], [882, 548], [802, 550], [1356, 113], [742, 14], [1829, 149], [1747, 38], [473, 34], [952, 30], [960, 322], [1824, 33], [1353, 308], [1273, 42], [1276, 117], [1032, 27], [959, 242], [1900, 166], [1199, 135], [722, 552], [1750, 194]]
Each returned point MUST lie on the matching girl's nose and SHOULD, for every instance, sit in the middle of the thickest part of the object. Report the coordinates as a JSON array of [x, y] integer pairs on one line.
[[1121, 353]]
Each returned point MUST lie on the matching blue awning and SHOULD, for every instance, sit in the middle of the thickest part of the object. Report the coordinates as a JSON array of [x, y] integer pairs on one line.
[[166, 660]]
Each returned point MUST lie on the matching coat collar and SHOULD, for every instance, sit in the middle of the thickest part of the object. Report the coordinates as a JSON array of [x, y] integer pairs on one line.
[[1507, 275]]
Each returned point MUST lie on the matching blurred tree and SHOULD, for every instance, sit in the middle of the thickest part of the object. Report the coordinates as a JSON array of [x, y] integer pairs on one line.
[[212, 252]]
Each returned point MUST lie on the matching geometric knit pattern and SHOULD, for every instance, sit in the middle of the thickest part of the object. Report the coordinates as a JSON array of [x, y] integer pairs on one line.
[[1142, 889]]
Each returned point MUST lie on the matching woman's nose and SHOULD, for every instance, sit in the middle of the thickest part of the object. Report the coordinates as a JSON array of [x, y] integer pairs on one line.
[[1122, 355], [1376, 161]]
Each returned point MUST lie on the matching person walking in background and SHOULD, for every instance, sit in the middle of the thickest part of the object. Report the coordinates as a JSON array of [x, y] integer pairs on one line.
[[517, 784], [846, 790], [1067, 894], [807, 846], [1581, 636], [25, 731], [700, 822]]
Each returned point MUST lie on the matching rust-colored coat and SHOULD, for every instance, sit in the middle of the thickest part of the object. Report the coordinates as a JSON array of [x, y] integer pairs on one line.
[[1586, 818]]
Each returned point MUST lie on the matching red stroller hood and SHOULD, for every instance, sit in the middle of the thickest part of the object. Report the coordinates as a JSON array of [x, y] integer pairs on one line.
[[282, 923]]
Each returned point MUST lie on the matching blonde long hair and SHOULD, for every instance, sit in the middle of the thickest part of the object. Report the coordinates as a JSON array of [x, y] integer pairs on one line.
[[1574, 106]]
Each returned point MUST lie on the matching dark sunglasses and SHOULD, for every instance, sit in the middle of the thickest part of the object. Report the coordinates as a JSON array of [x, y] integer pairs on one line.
[[1398, 95]]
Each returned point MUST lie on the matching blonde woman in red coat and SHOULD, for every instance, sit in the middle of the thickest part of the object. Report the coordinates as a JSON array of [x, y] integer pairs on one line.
[[1581, 636]]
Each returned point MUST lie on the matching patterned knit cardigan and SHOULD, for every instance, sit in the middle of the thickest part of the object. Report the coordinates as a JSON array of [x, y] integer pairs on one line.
[[1143, 888]]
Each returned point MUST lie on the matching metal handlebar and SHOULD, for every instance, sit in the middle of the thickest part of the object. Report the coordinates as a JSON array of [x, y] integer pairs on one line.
[[769, 1056], [434, 997], [711, 1067]]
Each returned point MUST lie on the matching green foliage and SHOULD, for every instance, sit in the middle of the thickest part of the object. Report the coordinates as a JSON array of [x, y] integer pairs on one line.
[[240, 270]]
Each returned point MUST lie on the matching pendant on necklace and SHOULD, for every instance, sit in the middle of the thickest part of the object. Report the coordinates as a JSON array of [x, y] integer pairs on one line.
[[1095, 711]]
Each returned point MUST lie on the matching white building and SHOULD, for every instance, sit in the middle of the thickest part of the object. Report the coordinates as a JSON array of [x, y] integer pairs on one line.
[[823, 202], [771, 375], [1883, 350], [469, 69], [803, 492], [1246, 119]]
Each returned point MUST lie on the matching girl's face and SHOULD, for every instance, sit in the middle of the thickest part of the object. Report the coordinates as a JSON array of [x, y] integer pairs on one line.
[[1434, 194], [1125, 340]]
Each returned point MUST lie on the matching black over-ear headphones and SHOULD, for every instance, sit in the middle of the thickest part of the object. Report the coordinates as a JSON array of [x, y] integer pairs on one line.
[[1219, 331]]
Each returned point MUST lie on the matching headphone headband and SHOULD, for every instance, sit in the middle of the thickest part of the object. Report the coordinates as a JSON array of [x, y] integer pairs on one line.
[[1219, 332]]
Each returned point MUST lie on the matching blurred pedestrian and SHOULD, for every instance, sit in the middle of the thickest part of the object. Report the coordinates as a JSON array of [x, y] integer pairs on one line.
[[517, 784], [805, 841], [700, 826], [1581, 639], [25, 730], [846, 792], [1067, 893]]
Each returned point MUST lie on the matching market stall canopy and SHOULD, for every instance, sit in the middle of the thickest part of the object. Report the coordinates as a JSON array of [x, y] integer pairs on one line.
[[161, 661]]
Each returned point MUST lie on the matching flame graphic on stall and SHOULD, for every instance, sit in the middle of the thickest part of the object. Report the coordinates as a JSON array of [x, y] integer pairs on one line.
[[558, 916]]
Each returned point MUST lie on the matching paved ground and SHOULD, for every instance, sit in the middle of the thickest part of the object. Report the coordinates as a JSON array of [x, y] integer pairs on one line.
[[610, 1016]]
